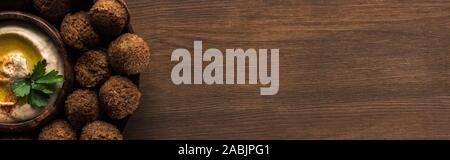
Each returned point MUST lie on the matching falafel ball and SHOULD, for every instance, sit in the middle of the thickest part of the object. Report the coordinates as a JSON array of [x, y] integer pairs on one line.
[[52, 10], [109, 17], [58, 130], [129, 54], [100, 130], [92, 68], [119, 97], [82, 107], [77, 32]]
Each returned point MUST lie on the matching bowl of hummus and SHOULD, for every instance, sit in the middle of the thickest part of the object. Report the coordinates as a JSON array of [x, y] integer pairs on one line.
[[28, 42]]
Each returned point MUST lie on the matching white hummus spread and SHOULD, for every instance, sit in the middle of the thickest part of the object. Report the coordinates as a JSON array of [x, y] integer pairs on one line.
[[14, 66], [17, 63]]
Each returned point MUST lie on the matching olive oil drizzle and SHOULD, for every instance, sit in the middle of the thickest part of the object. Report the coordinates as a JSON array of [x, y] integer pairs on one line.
[[14, 43]]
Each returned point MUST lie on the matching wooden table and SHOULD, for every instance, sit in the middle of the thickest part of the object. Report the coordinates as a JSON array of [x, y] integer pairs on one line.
[[349, 69]]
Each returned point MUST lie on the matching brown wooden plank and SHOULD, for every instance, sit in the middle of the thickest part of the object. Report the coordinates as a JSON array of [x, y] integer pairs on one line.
[[348, 69]]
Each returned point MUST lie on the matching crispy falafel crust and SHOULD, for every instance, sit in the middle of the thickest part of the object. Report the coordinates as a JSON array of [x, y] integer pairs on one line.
[[77, 32], [82, 107], [129, 54], [92, 68], [58, 130], [119, 97], [109, 17], [52, 10], [100, 130]]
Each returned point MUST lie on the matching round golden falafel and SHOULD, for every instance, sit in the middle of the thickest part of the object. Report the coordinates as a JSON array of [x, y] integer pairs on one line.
[[100, 130], [119, 97], [109, 17], [129, 54], [82, 107], [52, 10], [58, 130], [92, 68], [77, 32]]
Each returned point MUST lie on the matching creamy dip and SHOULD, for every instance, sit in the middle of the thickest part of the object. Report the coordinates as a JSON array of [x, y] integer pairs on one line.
[[24, 45]]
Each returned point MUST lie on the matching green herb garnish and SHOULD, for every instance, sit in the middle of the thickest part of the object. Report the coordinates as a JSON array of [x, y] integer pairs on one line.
[[38, 87]]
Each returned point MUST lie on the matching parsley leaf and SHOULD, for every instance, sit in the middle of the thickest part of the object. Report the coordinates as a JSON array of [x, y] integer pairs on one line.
[[39, 70], [39, 86], [38, 99], [21, 87], [47, 89], [51, 78]]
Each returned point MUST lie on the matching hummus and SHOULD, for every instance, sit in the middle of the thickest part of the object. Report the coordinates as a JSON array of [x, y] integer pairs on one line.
[[22, 47]]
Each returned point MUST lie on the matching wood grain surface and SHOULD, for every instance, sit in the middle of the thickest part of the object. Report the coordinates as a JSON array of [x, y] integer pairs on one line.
[[349, 69]]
